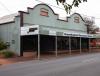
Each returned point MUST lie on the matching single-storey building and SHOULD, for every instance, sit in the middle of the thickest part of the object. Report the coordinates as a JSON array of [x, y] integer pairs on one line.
[[40, 29]]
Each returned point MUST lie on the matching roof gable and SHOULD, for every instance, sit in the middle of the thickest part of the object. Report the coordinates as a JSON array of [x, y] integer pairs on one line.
[[78, 15]]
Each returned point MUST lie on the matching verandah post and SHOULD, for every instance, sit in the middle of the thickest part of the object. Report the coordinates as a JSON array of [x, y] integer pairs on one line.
[[70, 45], [80, 46], [89, 46], [56, 53]]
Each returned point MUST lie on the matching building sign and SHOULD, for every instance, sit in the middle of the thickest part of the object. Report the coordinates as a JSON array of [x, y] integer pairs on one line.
[[30, 30], [78, 35], [52, 33]]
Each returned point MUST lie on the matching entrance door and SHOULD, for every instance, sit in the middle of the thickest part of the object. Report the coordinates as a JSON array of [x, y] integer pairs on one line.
[[29, 43], [85, 43], [63, 43], [75, 43], [47, 43]]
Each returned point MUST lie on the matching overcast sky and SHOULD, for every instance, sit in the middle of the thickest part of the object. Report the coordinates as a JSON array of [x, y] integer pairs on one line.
[[90, 8]]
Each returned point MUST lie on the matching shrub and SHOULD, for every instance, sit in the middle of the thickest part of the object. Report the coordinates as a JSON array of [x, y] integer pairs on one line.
[[6, 54], [2, 45]]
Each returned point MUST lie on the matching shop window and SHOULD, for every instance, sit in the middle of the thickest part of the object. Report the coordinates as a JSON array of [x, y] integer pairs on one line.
[[76, 19], [43, 12]]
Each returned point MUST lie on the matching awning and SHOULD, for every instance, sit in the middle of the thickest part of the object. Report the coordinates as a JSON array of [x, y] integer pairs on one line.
[[34, 30]]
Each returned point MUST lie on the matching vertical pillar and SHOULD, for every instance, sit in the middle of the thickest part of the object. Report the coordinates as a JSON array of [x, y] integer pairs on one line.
[[80, 46], [89, 46], [70, 45], [56, 53], [38, 46]]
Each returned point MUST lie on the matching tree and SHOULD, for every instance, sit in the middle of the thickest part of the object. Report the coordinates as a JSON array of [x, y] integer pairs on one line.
[[67, 6], [90, 23]]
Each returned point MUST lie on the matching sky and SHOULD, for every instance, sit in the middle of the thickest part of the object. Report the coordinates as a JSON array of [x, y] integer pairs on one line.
[[90, 8]]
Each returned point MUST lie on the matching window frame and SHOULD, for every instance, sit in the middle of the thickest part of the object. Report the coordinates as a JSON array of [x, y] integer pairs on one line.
[[44, 12], [76, 19]]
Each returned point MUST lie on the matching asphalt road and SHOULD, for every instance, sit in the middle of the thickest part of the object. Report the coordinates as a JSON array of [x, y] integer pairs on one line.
[[85, 65]]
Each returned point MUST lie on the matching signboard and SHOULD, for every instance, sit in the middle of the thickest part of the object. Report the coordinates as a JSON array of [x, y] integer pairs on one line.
[[52, 33], [30, 30], [78, 35]]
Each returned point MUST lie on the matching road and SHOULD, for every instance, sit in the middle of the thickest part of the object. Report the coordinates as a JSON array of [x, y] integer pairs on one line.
[[84, 65]]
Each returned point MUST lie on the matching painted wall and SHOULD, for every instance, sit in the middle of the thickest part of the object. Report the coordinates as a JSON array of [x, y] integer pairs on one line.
[[11, 33], [34, 17]]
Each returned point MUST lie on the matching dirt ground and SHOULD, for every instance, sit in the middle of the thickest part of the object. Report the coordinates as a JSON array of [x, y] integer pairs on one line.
[[26, 57], [31, 56], [4, 61]]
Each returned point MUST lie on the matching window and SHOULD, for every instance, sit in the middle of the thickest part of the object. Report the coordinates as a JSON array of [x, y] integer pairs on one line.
[[76, 19], [43, 12], [13, 41]]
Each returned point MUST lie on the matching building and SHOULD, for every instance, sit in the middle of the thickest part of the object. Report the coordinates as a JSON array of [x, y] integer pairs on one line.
[[40, 29]]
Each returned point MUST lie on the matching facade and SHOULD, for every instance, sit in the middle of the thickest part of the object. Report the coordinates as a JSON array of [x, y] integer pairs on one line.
[[40, 29]]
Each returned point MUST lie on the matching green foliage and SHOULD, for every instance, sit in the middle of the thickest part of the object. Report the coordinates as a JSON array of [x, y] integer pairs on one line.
[[68, 6], [6, 54], [2, 45]]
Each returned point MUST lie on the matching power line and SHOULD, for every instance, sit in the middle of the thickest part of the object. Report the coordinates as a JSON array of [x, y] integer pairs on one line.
[[62, 8], [46, 3], [50, 4]]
